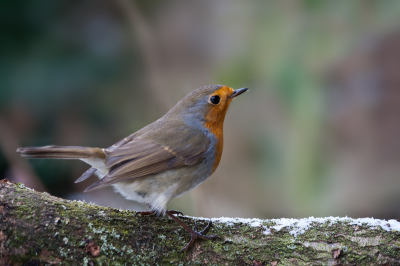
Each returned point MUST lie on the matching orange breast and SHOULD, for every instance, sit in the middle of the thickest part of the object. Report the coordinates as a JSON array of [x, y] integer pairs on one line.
[[218, 132], [214, 118]]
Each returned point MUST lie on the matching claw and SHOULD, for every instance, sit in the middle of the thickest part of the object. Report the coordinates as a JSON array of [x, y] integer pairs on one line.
[[144, 213], [207, 228], [175, 212]]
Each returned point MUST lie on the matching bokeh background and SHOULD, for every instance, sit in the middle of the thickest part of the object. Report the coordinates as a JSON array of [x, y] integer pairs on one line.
[[318, 134]]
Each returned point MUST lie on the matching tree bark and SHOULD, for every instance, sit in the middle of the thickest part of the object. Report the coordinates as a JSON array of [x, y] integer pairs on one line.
[[39, 229]]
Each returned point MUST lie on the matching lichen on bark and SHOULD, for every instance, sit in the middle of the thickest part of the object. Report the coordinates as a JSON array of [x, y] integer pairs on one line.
[[39, 228]]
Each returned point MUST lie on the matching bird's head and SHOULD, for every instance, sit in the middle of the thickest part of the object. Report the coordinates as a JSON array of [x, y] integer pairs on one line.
[[207, 105]]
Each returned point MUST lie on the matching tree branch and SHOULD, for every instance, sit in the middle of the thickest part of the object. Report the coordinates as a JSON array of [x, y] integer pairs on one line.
[[39, 228]]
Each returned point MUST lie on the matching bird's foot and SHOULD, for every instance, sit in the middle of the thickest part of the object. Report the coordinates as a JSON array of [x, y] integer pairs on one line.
[[175, 212], [145, 213], [194, 235]]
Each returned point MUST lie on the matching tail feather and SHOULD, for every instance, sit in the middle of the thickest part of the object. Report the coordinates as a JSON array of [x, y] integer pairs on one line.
[[61, 152], [86, 174]]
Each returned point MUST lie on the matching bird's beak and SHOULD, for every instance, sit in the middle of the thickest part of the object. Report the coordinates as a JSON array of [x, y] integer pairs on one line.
[[238, 92]]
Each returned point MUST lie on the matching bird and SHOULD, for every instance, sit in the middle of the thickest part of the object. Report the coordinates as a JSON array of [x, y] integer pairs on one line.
[[164, 159]]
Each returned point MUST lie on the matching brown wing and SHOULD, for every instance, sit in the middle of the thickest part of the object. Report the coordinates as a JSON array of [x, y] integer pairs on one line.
[[138, 158]]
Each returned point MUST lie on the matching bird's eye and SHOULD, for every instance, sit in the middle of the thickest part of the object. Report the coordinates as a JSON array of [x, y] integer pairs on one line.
[[215, 99]]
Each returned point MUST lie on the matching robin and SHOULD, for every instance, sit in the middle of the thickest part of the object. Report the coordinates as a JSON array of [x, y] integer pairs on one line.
[[163, 160]]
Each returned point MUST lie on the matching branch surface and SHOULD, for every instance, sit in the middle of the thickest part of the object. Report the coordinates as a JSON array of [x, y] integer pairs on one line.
[[39, 229]]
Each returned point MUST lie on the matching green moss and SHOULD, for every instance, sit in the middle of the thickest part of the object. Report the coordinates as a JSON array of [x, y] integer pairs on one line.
[[126, 240]]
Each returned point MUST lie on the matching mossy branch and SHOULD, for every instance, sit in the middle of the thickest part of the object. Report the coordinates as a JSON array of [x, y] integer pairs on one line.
[[39, 229]]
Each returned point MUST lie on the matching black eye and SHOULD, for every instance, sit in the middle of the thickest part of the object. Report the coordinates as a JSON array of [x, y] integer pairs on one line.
[[215, 99]]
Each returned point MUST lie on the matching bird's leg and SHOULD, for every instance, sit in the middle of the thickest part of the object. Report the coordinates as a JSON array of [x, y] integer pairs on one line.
[[194, 234]]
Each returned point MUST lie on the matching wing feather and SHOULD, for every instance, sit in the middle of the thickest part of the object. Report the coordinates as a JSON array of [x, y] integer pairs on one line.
[[139, 158], [152, 158], [136, 149]]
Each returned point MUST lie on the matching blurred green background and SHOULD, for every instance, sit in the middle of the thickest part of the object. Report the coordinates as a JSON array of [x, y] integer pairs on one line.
[[318, 134]]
